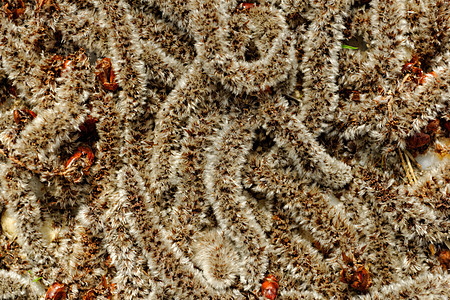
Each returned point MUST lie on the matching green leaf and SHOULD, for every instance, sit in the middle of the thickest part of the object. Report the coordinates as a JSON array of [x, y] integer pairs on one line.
[[349, 47], [37, 279]]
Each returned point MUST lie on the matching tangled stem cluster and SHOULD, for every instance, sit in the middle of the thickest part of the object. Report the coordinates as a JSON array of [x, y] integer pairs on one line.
[[188, 149]]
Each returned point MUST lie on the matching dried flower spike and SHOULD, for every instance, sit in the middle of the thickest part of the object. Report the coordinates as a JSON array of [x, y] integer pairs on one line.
[[106, 74], [84, 158], [56, 292], [269, 288]]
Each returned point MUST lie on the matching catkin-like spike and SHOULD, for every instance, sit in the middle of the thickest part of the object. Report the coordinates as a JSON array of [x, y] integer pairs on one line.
[[307, 206], [295, 294], [427, 285], [130, 72], [294, 254], [181, 102], [23, 193], [176, 11], [57, 116], [380, 207], [161, 66], [190, 206], [16, 286], [415, 220], [80, 25], [321, 49], [218, 259], [396, 97], [432, 190], [221, 63], [433, 26], [293, 135], [85, 252], [162, 262], [126, 256], [222, 177], [15, 56], [163, 37]]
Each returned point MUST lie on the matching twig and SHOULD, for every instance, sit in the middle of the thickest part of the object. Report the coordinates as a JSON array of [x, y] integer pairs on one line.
[[410, 168], [14, 160], [413, 159], [389, 106], [292, 98], [432, 249], [404, 167], [403, 81]]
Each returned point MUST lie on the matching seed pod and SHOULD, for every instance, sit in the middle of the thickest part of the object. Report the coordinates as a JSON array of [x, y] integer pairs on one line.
[[432, 126], [106, 75], [83, 157], [56, 292], [245, 6], [269, 288], [354, 272], [23, 116], [444, 259], [418, 140]]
